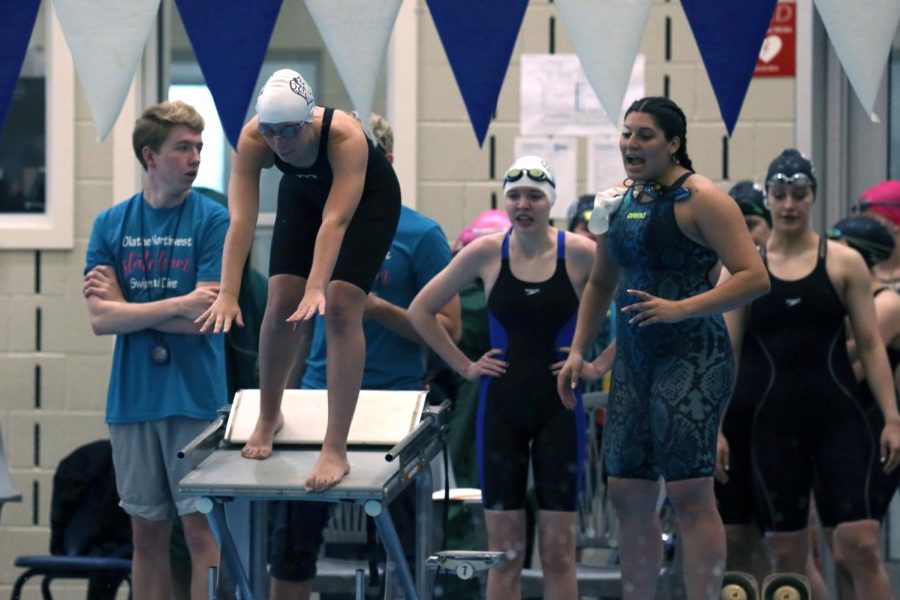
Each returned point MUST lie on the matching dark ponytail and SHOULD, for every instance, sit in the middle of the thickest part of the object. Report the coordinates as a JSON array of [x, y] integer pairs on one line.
[[669, 117]]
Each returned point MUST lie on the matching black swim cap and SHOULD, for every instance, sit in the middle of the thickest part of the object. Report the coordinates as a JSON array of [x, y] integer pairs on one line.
[[580, 211], [791, 167], [865, 235], [751, 199]]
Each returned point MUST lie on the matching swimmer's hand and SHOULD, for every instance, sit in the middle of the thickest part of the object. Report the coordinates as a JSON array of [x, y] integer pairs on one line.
[[890, 445], [221, 314], [650, 310], [723, 459], [591, 371], [312, 303], [486, 365], [568, 379], [606, 203]]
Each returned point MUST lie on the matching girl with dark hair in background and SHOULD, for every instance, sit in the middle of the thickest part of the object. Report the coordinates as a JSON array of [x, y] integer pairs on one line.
[[673, 370], [809, 431], [875, 243]]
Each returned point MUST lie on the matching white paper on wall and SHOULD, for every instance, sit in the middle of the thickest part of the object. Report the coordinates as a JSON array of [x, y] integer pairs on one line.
[[604, 161], [557, 99]]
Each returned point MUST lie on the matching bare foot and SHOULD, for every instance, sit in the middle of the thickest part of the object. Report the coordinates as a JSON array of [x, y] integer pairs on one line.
[[259, 446], [328, 471]]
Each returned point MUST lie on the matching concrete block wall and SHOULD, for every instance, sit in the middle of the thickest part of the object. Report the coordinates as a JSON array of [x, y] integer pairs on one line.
[[53, 369], [457, 179]]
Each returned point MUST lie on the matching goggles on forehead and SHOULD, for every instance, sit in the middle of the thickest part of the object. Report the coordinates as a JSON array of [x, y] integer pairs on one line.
[[288, 132], [795, 179], [534, 174]]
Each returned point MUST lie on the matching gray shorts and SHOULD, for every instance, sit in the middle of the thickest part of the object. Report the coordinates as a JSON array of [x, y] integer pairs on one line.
[[145, 456]]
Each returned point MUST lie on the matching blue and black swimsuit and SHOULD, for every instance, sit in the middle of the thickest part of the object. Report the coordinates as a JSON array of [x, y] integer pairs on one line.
[[671, 381], [521, 418]]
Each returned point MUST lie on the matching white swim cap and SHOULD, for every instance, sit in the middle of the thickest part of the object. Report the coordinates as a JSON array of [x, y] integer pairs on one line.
[[533, 172], [286, 97]]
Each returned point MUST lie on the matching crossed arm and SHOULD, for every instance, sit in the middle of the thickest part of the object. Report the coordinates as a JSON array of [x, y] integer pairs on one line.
[[111, 313]]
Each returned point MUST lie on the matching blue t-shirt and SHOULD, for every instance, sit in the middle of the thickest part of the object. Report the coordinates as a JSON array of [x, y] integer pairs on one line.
[[161, 253], [418, 252]]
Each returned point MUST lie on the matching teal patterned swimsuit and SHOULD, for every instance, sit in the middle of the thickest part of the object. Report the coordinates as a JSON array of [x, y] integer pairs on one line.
[[670, 381]]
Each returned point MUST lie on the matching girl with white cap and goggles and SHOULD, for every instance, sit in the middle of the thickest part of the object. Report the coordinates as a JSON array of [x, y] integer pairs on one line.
[[533, 275], [338, 206]]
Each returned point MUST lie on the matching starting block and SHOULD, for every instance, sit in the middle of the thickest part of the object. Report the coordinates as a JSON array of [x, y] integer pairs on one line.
[[465, 563], [786, 586], [739, 586], [778, 586]]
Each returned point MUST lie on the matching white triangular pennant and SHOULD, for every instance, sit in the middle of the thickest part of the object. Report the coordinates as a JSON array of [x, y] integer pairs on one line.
[[106, 39], [356, 33], [861, 32], [607, 35]]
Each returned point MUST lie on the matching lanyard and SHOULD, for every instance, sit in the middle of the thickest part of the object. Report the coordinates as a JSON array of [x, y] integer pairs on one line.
[[165, 284]]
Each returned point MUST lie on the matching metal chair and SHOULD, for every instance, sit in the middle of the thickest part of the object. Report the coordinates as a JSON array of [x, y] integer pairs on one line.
[[347, 526], [8, 493], [90, 533]]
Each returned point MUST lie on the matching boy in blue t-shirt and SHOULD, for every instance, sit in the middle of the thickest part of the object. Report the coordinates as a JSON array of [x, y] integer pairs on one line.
[[153, 266]]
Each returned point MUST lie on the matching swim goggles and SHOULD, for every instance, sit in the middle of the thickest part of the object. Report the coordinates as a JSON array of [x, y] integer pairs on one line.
[[836, 233], [534, 174], [751, 208], [863, 205], [288, 132], [795, 179]]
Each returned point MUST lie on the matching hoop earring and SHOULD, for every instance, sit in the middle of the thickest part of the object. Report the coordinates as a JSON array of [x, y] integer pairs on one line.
[[675, 159]]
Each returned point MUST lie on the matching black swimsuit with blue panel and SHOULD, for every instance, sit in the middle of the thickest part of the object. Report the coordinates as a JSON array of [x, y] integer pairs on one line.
[[520, 416], [671, 381], [301, 200]]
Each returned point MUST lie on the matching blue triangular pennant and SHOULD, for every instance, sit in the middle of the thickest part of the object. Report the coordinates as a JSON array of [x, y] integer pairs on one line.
[[478, 37], [729, 36], [230, 38], [17, 19]]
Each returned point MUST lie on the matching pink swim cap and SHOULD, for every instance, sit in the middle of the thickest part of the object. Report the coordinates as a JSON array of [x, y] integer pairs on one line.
[[490, 221], [883, 199]]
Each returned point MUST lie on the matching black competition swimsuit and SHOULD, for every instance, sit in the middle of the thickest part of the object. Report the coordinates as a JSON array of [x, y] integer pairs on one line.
[[670, 381], [736, 499], [809, 429], [881, 485], [301, 199], [520, 413]]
